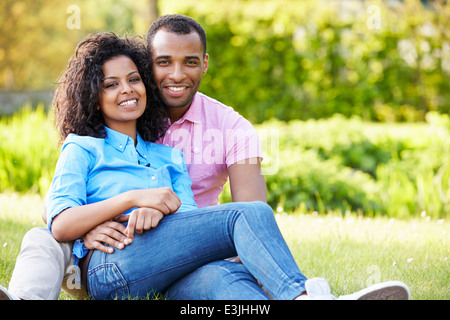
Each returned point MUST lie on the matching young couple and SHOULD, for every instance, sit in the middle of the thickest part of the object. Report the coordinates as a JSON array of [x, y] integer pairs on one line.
[[150, 218]]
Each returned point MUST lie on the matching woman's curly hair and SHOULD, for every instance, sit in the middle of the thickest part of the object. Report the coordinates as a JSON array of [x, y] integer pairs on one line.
[[76, 97]]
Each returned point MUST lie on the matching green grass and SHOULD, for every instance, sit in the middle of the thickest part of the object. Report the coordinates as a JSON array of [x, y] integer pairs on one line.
[[353, 252], [350, 251]]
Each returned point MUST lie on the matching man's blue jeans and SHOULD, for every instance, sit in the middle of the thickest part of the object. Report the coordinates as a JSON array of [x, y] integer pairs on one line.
[[183, 256]]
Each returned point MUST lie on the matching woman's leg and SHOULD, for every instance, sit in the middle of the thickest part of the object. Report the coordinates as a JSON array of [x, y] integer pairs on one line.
[[186, 241], [218, 280]]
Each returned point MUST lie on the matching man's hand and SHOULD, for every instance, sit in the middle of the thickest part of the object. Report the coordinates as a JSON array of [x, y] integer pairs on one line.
[[109, 232]]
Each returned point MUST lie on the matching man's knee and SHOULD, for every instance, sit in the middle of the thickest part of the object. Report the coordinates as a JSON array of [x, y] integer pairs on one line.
[[37, 236], [41, 241]]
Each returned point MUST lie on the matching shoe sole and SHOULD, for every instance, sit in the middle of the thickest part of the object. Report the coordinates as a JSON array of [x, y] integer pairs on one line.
[[394, 292], [4, 296]]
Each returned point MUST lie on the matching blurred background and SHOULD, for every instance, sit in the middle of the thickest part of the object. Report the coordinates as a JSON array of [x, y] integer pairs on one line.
[[358, 90], [290, 59]]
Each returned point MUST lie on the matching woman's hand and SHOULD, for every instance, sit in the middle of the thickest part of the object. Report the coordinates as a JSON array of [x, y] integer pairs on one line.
[[140, 220], [162, 199]]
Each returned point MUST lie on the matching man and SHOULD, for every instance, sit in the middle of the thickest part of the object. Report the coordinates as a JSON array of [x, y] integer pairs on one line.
[[203, 128], [207, 132]]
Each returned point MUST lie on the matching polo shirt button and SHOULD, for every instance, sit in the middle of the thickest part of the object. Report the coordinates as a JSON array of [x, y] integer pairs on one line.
[[196, 150], [168, 131]]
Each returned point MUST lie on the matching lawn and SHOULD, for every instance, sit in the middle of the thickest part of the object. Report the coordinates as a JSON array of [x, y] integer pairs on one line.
[[350, 251]]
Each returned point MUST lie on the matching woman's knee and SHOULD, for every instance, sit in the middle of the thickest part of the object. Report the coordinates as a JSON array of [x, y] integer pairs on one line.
[[258, 209]]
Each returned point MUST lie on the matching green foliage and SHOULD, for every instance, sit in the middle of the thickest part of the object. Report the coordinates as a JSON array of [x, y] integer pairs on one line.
[[51, 29], [28, 151], [349, 164], [339, 164], [310, 59]]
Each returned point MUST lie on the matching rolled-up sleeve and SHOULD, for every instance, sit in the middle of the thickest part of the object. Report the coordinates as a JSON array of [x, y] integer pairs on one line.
[[68, 188]]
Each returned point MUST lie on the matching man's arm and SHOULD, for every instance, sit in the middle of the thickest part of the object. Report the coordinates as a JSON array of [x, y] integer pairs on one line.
[[247, 181]]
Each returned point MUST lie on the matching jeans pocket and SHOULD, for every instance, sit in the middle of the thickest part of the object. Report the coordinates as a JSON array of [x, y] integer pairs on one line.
[[105, 282]]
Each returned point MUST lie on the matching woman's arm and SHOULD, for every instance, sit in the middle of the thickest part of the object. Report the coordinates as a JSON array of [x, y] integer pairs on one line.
[[69, 214], [75, 222]]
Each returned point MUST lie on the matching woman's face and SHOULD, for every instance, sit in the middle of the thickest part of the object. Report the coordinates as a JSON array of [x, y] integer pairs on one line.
[[123, 97]]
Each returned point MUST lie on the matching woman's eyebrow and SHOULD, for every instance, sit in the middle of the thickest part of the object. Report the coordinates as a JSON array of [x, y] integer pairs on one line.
[[116, 77]]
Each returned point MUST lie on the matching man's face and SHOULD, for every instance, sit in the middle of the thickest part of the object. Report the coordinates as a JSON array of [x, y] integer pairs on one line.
[[178, 66]]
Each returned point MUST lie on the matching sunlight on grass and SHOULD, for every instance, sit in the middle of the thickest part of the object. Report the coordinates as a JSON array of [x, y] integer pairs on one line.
[[26, 209], [353, 252], [350, 251]]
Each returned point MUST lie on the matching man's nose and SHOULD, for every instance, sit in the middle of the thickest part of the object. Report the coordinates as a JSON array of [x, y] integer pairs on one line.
[[178, 73]]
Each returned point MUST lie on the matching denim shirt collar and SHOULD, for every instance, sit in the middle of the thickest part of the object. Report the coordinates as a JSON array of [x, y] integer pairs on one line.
[[119, 141]]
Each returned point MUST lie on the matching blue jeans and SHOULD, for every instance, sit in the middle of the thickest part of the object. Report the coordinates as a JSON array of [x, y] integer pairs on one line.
[[181, 249]]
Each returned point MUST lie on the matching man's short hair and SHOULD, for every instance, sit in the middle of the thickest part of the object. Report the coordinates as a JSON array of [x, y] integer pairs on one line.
[[178, 24]]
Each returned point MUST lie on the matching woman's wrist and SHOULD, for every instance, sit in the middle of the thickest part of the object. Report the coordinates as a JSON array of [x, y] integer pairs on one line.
[[129, 199]]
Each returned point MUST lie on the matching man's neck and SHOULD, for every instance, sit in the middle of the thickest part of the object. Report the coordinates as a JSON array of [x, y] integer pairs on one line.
[[176, 113]]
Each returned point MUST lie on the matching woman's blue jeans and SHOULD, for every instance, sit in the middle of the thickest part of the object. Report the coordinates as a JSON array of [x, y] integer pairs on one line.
[[183, 256]]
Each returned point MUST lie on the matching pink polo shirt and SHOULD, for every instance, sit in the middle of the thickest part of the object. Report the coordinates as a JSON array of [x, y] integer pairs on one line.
[[212, 136]]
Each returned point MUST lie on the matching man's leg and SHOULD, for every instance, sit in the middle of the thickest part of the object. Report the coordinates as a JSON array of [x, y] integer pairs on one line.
[[40, 266]]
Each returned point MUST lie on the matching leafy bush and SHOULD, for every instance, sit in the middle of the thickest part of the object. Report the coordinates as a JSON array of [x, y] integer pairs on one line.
[[349, 164], [305, 59], [28, 152], [333, 164]]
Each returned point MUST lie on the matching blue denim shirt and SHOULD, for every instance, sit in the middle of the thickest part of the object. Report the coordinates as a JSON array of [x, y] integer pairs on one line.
[[94, 169]]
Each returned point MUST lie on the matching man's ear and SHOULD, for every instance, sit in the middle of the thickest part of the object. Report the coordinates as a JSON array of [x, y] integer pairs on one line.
[[205, 63]]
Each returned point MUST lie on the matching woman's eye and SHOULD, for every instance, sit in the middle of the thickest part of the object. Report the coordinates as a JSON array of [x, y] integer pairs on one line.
[[110, 85]]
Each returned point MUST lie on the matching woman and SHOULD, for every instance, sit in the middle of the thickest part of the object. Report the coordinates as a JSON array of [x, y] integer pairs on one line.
[[108, 116], [110, 168]]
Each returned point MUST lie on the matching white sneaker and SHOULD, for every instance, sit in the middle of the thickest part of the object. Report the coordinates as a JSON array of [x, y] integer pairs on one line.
[[318, 289], [390, 290], [5, 295]]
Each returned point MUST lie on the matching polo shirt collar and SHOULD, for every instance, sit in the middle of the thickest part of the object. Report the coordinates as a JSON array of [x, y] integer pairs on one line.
[[194, 113]]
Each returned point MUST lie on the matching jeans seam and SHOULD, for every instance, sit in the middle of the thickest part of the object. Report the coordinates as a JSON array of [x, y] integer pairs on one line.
[[166, 269], [123, 284], [281, 271], [229, 240]]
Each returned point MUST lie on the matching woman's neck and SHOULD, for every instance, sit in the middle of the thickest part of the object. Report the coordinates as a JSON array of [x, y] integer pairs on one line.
[[127, 129]]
